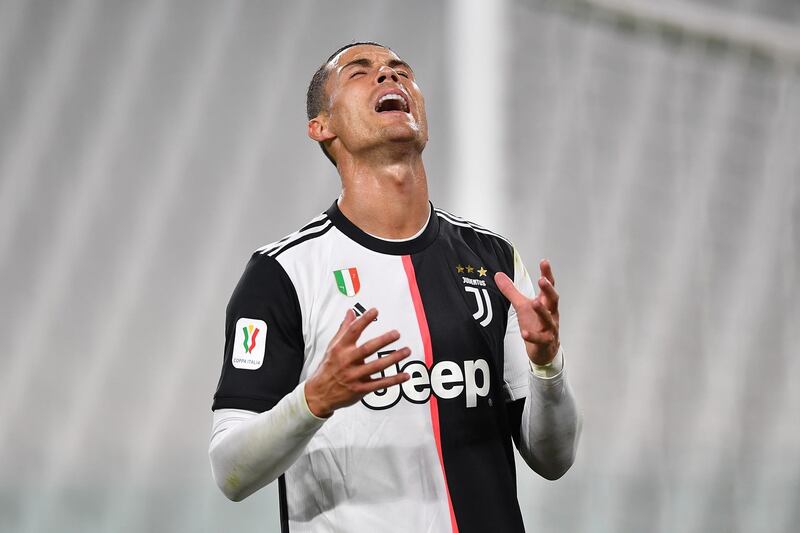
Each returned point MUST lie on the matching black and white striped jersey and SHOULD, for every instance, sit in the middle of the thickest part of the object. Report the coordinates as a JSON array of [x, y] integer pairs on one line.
[[433, 454]]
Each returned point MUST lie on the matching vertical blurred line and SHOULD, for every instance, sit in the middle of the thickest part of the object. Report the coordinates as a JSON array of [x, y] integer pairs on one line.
[[691, 508], [32, 137], [18, 170], [478, 72], [692, 229], [569, 111], [683, 247], [72, 230], [786, 431], [243, 176], [143, 244], [785, 435], [710, 430], [604, 249], [780, 163], [748, 300], [11, 13], [571, 75]]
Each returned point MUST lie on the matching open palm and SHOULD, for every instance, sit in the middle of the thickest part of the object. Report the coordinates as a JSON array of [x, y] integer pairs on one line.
[[538, 317]]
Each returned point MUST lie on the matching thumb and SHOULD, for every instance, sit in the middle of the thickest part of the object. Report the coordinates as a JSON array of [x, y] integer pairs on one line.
[[509, 290]]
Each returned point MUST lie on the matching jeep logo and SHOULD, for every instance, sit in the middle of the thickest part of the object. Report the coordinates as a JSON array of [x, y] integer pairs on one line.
[[445, 380]]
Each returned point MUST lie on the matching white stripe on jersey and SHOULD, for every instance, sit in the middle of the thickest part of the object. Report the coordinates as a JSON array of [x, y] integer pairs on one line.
[[458, 221], [305, 230], [316, 230]]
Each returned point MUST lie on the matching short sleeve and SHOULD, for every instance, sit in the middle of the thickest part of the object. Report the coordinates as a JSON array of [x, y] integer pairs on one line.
[[263, 339], [515, 357]]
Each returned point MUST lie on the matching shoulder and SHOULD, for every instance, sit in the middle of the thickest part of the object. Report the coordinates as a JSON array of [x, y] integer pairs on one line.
[[473, 232], [287, 265], [315, 228], [484, 242], [270, 267]]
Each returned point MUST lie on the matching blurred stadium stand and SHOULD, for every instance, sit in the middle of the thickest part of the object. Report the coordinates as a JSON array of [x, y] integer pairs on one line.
[[649, 149]]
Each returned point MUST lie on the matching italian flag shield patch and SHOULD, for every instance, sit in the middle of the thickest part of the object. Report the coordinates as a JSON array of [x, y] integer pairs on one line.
[[347, 281]]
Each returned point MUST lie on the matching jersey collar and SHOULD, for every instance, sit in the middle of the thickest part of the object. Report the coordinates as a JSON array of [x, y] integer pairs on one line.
[[376, 244]]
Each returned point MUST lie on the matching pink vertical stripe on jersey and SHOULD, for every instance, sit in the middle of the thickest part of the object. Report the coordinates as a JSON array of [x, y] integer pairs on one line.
[[426, 344]]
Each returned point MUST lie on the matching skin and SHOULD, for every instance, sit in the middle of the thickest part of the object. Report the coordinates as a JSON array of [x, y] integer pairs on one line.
[[385, 193]]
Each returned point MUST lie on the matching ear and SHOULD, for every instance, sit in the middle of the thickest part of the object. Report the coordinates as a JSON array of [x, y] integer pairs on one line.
[[318, 129]]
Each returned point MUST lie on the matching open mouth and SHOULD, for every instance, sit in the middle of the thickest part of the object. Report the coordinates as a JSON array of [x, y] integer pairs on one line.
[[391, 102]]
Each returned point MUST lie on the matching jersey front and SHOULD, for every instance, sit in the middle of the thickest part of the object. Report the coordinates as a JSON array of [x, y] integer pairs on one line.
[[432, 454]]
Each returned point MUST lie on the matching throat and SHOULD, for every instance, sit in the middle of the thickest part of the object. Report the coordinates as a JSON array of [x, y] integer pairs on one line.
[[383, 217]]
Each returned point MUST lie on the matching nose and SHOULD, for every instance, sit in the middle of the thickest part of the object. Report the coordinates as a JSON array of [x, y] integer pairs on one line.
[[385, 73]]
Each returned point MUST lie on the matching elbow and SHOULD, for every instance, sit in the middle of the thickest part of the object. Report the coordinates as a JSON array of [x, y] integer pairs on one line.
[[562, 458], [231, 491], [552, 462], [235, 496], [556, 469], [231, 486], [227, 477]]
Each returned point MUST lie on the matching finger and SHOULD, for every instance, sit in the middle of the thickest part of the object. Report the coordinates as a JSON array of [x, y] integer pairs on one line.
[[544, 315], [510, 291], [547, 271], [540, 338], [373, 345], [382, 363], [550, 295], [356, 328], [349, 317], [383, 383]]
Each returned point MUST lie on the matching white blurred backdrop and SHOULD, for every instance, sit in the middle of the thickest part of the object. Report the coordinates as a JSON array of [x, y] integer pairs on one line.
[[650, 149]]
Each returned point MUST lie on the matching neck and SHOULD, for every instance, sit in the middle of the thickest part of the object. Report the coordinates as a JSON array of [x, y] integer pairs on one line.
[[387, 199]]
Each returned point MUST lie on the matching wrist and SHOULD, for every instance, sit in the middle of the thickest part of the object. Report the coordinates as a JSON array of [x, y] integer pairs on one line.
[[316, 402], [544, 357], [550, 370]]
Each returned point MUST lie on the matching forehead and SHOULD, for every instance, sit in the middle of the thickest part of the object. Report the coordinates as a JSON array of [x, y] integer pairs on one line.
[[376, 54]]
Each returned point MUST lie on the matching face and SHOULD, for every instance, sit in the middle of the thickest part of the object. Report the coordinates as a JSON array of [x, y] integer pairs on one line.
[[373, 100]]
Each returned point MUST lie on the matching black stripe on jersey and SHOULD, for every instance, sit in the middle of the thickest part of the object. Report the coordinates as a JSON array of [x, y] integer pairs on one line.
[[458, 221], [269, 248], [514, 409], [476, 442], [304, 238], [283, 507]]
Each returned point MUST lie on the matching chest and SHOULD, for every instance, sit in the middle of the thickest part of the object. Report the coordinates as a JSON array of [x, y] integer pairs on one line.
[[443, 301]]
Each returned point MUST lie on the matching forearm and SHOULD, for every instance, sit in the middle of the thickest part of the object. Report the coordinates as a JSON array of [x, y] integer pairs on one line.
[[249, 450], [550, 425]]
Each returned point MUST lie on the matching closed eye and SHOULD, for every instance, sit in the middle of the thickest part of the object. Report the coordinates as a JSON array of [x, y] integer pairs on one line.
[[404, 74], [354, 74]]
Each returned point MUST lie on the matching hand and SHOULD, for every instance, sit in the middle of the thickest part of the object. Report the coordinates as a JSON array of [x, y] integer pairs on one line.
[[538, 317], [342, 378]]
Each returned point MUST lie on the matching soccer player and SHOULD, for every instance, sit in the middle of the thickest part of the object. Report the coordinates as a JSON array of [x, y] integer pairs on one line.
[[399, 420]]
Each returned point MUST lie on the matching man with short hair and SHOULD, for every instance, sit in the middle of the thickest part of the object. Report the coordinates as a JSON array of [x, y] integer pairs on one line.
[[401, 420]]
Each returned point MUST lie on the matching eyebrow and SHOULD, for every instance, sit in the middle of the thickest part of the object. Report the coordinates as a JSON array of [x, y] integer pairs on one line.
[[364, 62]]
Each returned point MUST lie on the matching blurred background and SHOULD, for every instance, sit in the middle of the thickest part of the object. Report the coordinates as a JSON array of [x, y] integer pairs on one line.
[[650, 149]]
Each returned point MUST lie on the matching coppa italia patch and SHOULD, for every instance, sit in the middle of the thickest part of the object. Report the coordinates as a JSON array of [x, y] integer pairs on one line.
[[249, 344]]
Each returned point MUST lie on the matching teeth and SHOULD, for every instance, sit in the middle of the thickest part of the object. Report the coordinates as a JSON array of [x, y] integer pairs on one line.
[[393, 96]]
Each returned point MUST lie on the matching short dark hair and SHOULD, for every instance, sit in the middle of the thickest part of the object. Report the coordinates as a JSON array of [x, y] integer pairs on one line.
[[316, 99]]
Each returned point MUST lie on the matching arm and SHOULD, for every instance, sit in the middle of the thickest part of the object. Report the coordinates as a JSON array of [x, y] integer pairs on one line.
[[544, 418], [249, 450], [550, 424]]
